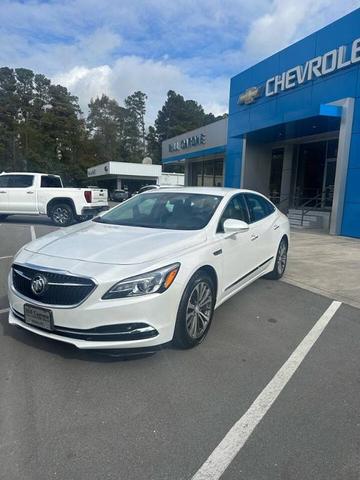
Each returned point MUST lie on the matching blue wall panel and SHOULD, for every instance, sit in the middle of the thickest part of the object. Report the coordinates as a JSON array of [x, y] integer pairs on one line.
[[300, 102], [351, 223]]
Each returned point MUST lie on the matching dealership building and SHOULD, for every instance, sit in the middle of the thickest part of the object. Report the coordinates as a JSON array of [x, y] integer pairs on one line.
[[293, 132]]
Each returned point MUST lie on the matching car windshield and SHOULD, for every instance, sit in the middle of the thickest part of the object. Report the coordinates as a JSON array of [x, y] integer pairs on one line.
[[175, 211]]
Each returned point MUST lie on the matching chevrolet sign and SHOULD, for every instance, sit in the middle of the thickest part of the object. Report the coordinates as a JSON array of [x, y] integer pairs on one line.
[[314, 68], [249, 96]]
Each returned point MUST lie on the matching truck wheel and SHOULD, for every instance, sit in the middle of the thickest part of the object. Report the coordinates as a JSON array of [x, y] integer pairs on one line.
[[62, 215]]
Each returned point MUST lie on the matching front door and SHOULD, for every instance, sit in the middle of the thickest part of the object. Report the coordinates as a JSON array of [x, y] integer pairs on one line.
[[22, 194], [264, 231], [236, 248], [4, 201]]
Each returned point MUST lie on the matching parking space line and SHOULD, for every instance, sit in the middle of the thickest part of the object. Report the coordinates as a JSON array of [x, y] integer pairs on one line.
[[32, 231], [237, 436], [4, 310], [7, 256]]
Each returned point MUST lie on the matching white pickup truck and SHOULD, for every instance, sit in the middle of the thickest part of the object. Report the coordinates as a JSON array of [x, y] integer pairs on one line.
[[42, 194]]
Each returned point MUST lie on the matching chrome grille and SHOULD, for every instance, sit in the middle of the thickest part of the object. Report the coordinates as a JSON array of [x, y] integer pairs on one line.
[[61, 289]]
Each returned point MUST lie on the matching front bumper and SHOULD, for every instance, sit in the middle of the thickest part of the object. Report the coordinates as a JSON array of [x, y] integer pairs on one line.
[[127, 323]]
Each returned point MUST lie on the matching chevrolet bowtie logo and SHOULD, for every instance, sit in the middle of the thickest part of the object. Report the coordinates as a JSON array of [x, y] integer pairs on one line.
[[249, 96]]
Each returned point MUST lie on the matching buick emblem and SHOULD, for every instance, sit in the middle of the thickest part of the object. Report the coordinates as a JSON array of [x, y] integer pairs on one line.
[[38, 284]]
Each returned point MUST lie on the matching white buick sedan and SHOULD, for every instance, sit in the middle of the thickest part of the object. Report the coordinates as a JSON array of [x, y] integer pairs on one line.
[[150, 271]]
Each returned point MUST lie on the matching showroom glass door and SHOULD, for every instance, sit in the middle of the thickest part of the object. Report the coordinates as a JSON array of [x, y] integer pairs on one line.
[[315, 179]]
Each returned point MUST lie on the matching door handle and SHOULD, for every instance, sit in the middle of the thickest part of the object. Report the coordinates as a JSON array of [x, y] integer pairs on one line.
[[30, 193], [275, 227], [2, 192], [254, 237]]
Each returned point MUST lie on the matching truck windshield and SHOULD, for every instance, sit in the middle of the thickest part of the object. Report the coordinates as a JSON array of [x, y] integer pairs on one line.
[[175, 211]]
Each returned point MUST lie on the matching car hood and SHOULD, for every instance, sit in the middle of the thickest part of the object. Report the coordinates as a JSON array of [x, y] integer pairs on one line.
[[115, 244]]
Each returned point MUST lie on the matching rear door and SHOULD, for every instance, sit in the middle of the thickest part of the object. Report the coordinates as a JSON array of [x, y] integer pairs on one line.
[[4, 200], [22, 194], [263, 228]]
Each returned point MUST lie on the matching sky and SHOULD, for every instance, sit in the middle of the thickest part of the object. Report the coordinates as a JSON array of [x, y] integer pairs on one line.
[[119, 46]]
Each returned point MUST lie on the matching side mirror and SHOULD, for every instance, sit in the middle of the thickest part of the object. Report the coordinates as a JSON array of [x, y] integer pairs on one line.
[[231, 226]]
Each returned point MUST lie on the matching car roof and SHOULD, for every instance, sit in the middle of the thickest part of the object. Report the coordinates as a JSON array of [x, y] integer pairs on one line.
[[29, 173], [205, 190]]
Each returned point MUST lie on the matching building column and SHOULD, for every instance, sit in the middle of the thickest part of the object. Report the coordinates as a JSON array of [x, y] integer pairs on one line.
[[342, 180], [234, 160], [350, 224]]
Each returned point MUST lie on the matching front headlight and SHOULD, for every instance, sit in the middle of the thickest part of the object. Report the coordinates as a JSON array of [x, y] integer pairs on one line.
[[156, 281]]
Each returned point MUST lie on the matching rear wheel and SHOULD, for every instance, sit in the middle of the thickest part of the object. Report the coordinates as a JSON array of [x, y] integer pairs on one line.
[[195, 311], [280, 262], [62, 215]]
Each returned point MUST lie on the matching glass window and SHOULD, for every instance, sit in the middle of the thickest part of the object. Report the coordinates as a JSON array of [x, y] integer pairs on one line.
[[218, 173], [175, 211], [207, 173], [259, 207], [50, 181], [20, 181], [4, 181], [277, 160], [235, 209]]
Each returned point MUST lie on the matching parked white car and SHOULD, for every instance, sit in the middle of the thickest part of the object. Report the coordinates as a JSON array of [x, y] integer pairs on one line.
[[41, 194], [149, 271]]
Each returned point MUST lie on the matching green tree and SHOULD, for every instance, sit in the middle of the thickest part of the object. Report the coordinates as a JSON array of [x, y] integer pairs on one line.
[[136, 106], [105, 123], [178, 116], [153, 145], [40, 125]]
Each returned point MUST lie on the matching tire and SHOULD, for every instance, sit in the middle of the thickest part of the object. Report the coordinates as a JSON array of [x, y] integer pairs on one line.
[[192, 326], [62, 215], [280, 262], [3, 217]]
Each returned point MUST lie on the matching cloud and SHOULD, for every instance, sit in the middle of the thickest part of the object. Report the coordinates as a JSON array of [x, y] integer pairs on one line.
[[118, 47], [155, 78], [286, 21]]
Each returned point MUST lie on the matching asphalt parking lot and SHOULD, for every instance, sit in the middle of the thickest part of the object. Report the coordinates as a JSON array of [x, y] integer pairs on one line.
[[66, 414]]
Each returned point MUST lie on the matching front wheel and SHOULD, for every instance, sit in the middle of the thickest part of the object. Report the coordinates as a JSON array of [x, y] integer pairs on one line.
[[280, 262], [62, 215], [195, 311]]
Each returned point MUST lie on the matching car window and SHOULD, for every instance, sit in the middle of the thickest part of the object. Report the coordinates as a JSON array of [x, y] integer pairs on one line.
[[4, 181], [20, 181], [49, 181], [258, 206], [175, 211], [236, 209]]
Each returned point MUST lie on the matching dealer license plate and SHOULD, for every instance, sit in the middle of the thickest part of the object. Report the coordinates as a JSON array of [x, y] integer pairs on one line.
[[38, 317]]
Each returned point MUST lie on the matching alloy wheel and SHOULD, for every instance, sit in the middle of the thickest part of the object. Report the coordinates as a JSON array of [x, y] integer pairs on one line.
[[198, 310], [61, 215], [282, 258]]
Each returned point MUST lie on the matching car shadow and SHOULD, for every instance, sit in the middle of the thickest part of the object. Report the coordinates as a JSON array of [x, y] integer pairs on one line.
[[68, 351], [27, 220]]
